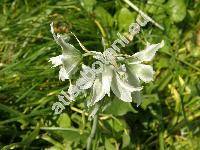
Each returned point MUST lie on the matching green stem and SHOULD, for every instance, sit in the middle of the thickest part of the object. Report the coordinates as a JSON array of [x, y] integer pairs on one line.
[[143, 14], [92, 134]]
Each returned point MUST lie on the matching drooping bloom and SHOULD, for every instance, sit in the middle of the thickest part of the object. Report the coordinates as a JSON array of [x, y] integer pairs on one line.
[[124, 79], [69, 60], [137, 71], [135, 63], [121, 74]]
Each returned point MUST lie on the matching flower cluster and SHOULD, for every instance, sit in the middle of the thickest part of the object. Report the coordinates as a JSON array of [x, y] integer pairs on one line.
[[119, 73]]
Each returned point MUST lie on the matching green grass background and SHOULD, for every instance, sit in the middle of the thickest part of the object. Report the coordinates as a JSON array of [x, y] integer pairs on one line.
[[169, 117]]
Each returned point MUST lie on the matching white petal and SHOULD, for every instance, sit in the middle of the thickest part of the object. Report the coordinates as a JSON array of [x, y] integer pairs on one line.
[[98, 92], [71, 69], [63, 74], [84, 84], [125, 85], [143, 72], [86, 68], [87, 78], [106, 79], [73, 91], [149, 52], [122, 89], [68, 49], [134, 81], [56, 61], [120, 92], [98, 56], [88, 73]]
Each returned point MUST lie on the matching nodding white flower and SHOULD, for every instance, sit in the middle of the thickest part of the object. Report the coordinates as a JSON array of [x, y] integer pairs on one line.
[[141, 71], [121, 74], [70, 58]]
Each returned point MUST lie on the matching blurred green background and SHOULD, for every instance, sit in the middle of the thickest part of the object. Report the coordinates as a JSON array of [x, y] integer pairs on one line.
[[169, 117]]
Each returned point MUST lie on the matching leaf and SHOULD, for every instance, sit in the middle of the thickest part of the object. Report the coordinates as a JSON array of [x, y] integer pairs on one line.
[[104, 17], [30, 137], [154, 6], [57, 145], [149, 99], [70, 134], [88, 4], [109, 145], [119, 108], [176, 10], [125, 19], [125, 140], [173, 32], [64, 121], [73, 135]]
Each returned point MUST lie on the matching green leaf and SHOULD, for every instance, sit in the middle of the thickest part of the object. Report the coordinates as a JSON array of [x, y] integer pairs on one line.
[[176, 10], [173, 33], [116, 124], [149, 99], [119, 108], [75, 136], [30, 137], [64, 121], [88, 4], [109, 145], [125, 140], [104, 17], [125, 18], [154, 6]]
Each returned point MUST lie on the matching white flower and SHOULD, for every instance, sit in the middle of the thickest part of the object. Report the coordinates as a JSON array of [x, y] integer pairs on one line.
[[138, 71], [126, 86], [141, 71], [70, 58]]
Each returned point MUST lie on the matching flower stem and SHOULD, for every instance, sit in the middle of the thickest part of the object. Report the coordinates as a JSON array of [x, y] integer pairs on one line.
[[143, 14], [93, 131]]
